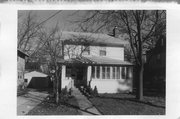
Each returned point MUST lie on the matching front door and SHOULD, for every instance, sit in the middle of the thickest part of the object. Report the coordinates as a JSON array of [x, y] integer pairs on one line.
[[81, 76]]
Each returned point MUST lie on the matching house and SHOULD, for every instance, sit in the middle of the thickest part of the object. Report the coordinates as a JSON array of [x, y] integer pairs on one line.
[[95, 60], [21, 59], [37, 80], [155, 68]]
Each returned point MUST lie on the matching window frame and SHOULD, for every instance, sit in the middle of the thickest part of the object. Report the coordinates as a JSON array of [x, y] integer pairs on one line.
[[102, 51]]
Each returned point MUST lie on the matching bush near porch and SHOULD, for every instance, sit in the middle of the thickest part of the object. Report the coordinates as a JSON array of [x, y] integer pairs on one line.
[[126, 104]]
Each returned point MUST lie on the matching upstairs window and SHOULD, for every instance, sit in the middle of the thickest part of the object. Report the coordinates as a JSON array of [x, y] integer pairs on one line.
[[86, 50], [102, 51]]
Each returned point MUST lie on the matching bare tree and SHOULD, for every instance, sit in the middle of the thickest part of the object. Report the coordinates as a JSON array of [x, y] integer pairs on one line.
[[143, 28], [51, 49], [28, 30]]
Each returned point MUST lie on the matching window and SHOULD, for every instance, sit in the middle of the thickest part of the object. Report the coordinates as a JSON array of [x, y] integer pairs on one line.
[[108, 73], [118, 73], [25, 80], [68, 72], [123, 73], [98, 72], [86, 50], [93, 72], [103, 72], [114, 73], [102, 51]]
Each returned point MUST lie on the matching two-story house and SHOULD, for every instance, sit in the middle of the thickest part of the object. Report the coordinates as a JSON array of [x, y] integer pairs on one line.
[[96, 60]]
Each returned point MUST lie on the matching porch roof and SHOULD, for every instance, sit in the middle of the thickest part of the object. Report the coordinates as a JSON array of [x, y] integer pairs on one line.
[[95, 60]]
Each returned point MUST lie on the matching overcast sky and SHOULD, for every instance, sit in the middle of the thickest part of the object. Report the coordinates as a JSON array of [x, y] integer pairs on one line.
[[63, 18]]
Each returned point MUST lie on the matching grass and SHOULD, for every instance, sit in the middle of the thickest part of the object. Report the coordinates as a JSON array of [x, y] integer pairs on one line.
[[126, 104], [49, 107]]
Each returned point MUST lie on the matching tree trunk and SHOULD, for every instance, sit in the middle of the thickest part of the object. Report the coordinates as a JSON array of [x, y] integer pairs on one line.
[[57, 91], [57, 84], [139, 95], [54, 87], [140, 57]]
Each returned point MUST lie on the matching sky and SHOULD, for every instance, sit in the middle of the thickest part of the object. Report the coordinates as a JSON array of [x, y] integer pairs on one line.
[[63, 18]]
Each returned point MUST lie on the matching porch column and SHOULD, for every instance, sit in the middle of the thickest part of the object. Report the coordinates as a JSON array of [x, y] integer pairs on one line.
[[63, 75], [100, 72], [130, 77], [120, 68], [125, 70], [89, 70], [111, 72], [130, 73]]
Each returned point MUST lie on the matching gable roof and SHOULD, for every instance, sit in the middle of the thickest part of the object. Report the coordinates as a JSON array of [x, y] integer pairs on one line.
[[35, 74], [95, 39]]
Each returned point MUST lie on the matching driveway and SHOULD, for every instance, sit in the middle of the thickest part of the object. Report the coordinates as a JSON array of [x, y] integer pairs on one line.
[[28, 101]]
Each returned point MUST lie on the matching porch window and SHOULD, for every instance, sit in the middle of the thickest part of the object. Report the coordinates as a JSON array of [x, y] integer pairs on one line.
[[93, 72], [68, 72], [118, 73], [103, 72], [108, 73], [98, 72], [123, 73], [114, 72], [85, 50]]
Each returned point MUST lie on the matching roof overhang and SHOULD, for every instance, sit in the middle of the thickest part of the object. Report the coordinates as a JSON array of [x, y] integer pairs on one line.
[[94, 60], [22, 53]]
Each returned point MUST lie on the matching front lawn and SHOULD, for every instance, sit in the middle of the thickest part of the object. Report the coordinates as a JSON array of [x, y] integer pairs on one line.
[[49, 107], [126, 104]]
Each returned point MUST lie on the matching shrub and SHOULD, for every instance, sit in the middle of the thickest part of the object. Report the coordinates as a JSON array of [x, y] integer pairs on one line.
[[95, 91]]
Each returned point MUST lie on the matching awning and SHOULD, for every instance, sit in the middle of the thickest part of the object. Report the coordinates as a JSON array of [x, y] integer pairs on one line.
[[95, 60]]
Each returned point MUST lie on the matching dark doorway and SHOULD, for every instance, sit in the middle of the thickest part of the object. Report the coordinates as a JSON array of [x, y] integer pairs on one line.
[[81, 72]]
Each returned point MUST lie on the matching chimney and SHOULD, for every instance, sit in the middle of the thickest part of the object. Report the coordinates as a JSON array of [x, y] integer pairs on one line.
[[115, 32]]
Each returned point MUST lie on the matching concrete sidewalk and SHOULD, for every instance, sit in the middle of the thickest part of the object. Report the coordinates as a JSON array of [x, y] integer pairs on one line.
[[86, 107], [27, 102]]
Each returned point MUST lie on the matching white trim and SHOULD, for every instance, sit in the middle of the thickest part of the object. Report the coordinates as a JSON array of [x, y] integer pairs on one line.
[[95, 69], [120, 68], [111, 72], [100, 72]]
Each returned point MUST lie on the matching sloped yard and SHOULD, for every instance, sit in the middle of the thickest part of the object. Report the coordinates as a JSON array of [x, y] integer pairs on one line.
[[126, 104]]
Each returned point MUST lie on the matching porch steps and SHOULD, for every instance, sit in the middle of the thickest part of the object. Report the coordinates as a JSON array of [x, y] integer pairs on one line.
[[86, 107]]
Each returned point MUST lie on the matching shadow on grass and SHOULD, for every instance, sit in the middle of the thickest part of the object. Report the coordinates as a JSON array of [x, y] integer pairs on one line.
[[132, 100], [71, 103], [77, 107]]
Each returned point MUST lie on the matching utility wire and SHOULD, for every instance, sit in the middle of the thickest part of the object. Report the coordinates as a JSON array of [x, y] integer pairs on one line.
[[49, 18]]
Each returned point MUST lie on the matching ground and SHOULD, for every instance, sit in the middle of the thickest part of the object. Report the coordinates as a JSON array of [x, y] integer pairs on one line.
[[49, 107], [126, 104], [107, 104]]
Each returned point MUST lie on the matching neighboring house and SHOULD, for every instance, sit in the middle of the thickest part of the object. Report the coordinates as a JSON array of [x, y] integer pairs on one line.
[[96, 60], [156, 56], [37, 80], [155, 68], [21, 59]]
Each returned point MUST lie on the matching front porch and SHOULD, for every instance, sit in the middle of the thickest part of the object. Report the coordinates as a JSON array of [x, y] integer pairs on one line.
[[108, 76]]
